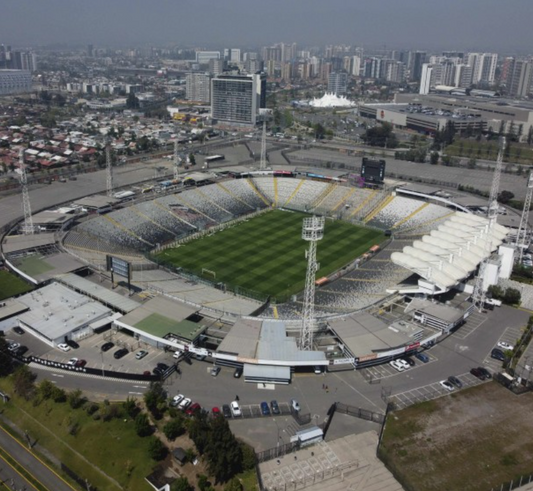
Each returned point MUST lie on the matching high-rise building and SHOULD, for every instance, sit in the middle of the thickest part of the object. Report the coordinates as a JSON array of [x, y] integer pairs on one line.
[[520, 78], [233, 55], [415, 62], [338, 83], [216, 66], [203, 57], [90, 50], [356, 65], [198, 86], [425, 78], [271, 53], [15, 81], [373, 68], [395, 71], [237, 99], [483, 67]]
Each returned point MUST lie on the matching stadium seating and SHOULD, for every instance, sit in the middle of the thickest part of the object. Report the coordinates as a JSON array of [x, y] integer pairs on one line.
[[395, 211], [198, 202], [307, 194], [241, 189]]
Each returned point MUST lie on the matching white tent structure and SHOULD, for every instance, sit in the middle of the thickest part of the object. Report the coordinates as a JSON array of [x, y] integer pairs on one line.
[[452, 252], [329, 99]]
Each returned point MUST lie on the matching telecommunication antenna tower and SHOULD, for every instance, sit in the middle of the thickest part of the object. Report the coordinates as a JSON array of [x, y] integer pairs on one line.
[[262, 163], [479, 296], [176, 160], [522, 229], [312, 232], [26, 205], [109, 170]]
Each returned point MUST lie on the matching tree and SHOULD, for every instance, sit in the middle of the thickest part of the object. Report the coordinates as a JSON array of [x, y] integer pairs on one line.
[[472, 164], [434, 158], [154, 396], [512, 296], [76, 399], [233, 485], [249, 459], [142, 425], [23, 382], [132, 102], [505, 196], [6, 362], [199, 432], [130, 406], [181, 484], [156, 449], [192, 159], [530, 135], [174, 428], [224, 454], [380, 136]]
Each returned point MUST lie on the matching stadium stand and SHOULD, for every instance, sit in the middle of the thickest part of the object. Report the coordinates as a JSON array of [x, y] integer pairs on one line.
[[393, 212], [241, 190], [425, 219]]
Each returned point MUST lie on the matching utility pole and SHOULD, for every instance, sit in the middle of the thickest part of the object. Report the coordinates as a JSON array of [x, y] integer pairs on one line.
[[26, 205], [521, 236], [109, 171]]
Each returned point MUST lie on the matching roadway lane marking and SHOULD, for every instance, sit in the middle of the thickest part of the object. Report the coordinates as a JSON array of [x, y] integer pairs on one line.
[[139, 387], [355, 390], [57, 375], [136, 393]]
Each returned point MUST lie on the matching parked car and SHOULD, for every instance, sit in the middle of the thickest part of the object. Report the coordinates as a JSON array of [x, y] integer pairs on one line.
[[274, 407], [163, 366], [238, 372], [73, 361], [176, 400], [422, 357], [455, 381], [63, 347], [446, 385], [409, 361], [265, 410], [140, 354], [397, 366], [403, 363], [215, 371], [80, 363], [185, 403], [193, 408], [107, 346], [485, 372], [235, 409], [295, 405], [318, 370], [497, 354], [120, 353], [13, 346], [177, 354], [476, 372], [216, 411], [226, 411], [505, 346], [18, 330], [73, 344], [200, 357]]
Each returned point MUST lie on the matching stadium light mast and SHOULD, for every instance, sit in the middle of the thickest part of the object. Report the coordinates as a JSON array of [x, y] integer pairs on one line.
[[176, 160], [26, 205], [521, 235], [262, 162], [479, 296], [109, 170], [312, 232]]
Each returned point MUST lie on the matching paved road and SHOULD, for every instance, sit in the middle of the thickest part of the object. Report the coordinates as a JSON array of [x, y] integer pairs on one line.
[[33, 465]]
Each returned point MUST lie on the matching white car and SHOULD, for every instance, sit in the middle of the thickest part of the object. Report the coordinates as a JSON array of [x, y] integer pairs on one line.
[[397, 366], [177, 399], [177, 354], [295, 405], [13, 346], [505, 346], [64, 347], [403, 363], [185, 403], [73, 361], [235, 409], [447, 385]]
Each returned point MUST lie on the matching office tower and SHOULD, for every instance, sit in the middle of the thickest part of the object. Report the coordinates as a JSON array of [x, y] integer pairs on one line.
[[395, 71], [198, 86], [519, 80], [356, 66], [90, 50], [415, 62], [373, 68], [216, 66], [237, 98], [233, 55], [15, 82], [271, 53], [338, 83], [203, 57], [483, 67], [463, 76], [425, 78]]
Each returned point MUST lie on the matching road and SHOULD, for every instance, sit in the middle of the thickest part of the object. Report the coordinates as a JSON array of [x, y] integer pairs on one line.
[[32, 464]]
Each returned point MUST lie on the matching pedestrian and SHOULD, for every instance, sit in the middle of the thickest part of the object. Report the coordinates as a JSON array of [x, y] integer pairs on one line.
[[323, 386], [236, 398]]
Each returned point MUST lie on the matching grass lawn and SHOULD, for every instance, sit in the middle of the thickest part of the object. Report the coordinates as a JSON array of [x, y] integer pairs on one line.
[[473, 440], [519, 153], [267, 254], [113, 447], [12, 285]]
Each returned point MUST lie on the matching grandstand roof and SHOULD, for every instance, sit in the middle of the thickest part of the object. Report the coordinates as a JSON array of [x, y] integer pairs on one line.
[[450, 253], [242, 339], [102, 294], [14, 243], [9, 308], [421, 188], [96, 201], [441, 311], [44, 268]]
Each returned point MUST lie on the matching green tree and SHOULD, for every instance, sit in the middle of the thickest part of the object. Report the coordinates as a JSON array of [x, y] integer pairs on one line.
[[76, 399], [23, 382], [224, 454], [192, 159], [472, 164], [199, 431], [512, 296], [249, 459], [132, 102], [154, 396], [142, 425], [505, 196], [181, 484], [156, 449], [174, 428], [203, 482], [131, 407], [434, 158], [6, 362], [233, 485]]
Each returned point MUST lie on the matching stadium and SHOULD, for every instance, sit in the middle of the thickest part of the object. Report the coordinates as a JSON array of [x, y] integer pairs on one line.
[[220, 264]]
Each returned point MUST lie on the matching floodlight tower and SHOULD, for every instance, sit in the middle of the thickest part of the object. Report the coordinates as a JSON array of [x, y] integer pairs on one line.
[[109, 170], [522, 229], [262, 163], [26, 205], [176, 160], [312, 232], [480, 295]]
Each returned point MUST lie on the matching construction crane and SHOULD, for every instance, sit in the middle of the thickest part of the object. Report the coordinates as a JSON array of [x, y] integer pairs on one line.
[[479, 296]]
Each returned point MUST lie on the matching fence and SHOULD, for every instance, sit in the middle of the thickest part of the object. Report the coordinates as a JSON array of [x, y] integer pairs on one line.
[[514, 484], [361, 413], [84, 483], [276, 452]]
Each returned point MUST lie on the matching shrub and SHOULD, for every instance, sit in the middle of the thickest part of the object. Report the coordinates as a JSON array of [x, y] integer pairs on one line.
[[156, 449], [142, 425], [174, 428]]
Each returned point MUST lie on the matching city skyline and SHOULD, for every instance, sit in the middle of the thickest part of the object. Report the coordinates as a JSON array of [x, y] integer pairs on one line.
[[478, 25]]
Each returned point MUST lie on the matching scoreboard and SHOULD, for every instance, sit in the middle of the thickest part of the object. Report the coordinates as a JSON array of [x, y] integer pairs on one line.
[[373, 171]]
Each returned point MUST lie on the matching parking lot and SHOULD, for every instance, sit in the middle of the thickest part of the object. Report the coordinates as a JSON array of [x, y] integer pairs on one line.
[[432, 391], [379, 372], [475, 320]]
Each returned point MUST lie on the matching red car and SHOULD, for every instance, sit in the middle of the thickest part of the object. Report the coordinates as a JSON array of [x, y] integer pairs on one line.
[[215, 411], [195, 407], [80, 363]]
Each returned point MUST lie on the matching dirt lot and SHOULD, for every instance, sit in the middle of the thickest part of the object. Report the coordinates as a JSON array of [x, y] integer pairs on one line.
[[473, 440]]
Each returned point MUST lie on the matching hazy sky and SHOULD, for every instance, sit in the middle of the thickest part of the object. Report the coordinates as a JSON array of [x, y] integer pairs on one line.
[[499, 25]]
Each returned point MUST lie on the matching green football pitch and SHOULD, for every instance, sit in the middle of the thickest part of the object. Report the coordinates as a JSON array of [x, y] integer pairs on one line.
[[266, 254]]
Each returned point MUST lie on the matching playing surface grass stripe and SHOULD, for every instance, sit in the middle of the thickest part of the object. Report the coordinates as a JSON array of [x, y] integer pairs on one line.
[[267, 254]]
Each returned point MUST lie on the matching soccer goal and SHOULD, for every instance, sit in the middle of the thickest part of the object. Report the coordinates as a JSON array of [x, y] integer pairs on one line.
[[206, 272]]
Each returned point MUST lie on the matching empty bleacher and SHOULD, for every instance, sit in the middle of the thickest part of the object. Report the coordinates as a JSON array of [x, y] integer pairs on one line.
[[394, 211]]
